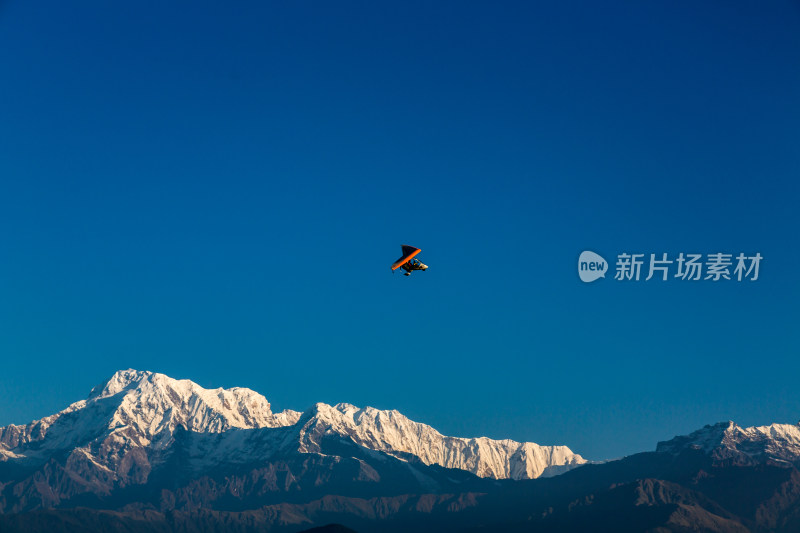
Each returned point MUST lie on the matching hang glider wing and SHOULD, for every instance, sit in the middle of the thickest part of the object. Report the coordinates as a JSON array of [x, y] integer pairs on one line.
[[408, 253]]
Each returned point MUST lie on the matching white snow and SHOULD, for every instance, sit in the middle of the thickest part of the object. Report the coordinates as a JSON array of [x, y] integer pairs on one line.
[[776, 442], [136, 409], [395, 434]]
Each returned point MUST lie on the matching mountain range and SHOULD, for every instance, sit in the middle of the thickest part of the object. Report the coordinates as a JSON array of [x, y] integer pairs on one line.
[[145, 452]]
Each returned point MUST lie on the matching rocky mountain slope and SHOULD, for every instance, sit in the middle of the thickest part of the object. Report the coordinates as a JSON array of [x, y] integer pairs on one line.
[[145, 452], [142, 427], [726, 441], [393, 433], [654, 492]]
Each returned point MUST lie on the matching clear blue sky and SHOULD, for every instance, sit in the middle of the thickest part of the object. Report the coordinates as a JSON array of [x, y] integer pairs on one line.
[[216, 192]]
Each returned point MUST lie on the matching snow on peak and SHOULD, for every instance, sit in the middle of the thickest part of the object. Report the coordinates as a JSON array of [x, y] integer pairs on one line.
[[395, 434], [147, 406], [153, 402], [121, 380], [142, 410], [729, 441]]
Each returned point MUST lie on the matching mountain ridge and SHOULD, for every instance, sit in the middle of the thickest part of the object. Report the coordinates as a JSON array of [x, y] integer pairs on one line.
[[727, 441], [128, 424], [145, 452]]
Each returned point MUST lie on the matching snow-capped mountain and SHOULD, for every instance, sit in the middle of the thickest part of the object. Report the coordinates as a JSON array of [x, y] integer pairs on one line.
[[146, 452], [726, 441], [128, 428], [393, 433], [139, 409]]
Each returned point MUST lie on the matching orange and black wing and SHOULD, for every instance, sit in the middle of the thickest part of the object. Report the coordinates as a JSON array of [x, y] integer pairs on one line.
[[408, 253]]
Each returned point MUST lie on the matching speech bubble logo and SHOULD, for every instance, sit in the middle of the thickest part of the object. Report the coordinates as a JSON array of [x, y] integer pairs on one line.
[[591, 266]]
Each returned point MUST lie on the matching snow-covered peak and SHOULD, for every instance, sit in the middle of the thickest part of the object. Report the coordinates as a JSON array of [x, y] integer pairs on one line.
[[729, 441], [395, 434], [136, 410], [153, 402], [120, 381], [147, 406], [705, 439]]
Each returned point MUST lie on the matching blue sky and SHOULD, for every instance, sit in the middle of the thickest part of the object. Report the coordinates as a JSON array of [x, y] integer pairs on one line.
[[217, 193]]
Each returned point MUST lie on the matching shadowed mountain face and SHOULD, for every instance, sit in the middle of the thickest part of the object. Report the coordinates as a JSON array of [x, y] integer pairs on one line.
[[141, 434], [145, 452], [330, 528], [727, 442]]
